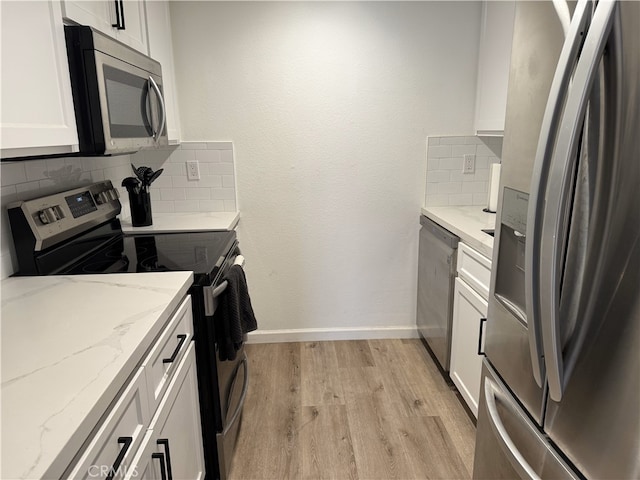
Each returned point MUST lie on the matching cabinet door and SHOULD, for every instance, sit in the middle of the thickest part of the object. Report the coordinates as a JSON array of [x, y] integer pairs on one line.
[[466, 364], [135, 22], [102, 16], [37, 106], [178, 435], [493, 66], [161, 49]]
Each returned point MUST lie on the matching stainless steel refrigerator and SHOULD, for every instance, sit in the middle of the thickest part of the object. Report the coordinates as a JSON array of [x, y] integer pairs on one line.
[[560, 395]]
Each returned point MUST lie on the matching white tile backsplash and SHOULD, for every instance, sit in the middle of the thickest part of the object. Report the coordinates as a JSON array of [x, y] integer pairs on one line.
[[180, 194], [171, 192], [446, 184]]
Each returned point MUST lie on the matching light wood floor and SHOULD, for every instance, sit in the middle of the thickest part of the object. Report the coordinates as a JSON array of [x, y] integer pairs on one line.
[[370, 409]]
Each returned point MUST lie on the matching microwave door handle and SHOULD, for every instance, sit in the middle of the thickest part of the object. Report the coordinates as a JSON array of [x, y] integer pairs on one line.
[[558, 91], [555, 224], [150, 116], [163, 117]]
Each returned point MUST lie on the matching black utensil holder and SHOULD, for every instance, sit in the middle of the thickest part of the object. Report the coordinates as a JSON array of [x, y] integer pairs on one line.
[[140, 204]]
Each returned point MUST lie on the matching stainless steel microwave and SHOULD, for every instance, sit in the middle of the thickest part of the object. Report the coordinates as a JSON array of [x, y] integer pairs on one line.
[[117, 94]]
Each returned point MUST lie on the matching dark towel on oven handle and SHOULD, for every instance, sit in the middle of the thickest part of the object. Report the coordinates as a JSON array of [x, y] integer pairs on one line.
[[235, 315]]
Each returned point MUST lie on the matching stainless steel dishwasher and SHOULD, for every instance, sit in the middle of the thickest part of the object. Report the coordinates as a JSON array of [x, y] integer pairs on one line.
[[436, 281]]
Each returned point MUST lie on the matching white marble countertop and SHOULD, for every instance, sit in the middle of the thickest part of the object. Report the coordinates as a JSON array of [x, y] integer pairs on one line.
[[69, 343], [185, 222], [467, 223]]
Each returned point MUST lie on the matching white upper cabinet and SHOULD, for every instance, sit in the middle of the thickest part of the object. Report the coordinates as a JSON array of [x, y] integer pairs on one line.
[[493, 66], [124, 20], [161, 49], [37, 116]]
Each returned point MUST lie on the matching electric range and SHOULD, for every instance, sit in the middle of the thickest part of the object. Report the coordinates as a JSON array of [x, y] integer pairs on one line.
[[77, 232]]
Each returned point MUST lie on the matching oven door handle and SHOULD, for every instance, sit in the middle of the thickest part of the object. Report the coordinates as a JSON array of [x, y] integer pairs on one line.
[[211, 292], [243, 395], [210, 295]]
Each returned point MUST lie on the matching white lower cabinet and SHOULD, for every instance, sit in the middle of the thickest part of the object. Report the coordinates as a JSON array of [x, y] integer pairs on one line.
[[469, 309], [172, 447], [120, 434], [153, 429]]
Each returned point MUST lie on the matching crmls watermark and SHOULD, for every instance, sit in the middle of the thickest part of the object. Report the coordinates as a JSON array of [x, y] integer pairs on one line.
[[103, 471]]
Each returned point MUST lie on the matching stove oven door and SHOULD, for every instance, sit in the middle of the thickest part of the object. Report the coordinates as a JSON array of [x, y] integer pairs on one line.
[[233, 382]]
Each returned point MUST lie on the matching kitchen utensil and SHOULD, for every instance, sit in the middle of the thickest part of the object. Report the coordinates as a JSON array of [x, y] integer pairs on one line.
[[132, 184], [154, 176], [146, 176], [139, 171]]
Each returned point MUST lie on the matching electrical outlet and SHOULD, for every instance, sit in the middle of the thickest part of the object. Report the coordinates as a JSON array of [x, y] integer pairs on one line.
[[193, 170], [469, 165]]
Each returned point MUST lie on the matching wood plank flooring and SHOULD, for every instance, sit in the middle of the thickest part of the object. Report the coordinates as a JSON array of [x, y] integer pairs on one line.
[[367, 409]]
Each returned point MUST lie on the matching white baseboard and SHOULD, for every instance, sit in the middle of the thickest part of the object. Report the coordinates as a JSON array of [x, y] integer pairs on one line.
[[320, 334]]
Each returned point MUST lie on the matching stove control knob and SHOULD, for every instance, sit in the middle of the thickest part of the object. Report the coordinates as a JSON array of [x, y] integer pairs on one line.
[[48, 215], [103, 197], [114, 194]]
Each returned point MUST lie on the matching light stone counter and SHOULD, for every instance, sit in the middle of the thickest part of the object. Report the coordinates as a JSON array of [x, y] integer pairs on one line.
[[467, 223], [69, 344], [185, 222]]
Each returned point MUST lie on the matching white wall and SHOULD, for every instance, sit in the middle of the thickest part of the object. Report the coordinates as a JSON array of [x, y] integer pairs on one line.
[[329, 105]]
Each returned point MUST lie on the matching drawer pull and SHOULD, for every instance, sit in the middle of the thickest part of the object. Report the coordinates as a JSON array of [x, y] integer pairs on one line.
[[480, 334], [171, 359], [165, 443], [126, 441], [163, 471]]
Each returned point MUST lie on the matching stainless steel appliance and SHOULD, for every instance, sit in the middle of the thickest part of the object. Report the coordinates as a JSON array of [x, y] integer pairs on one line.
[[561, 383], [436, 284], [117, 94], [77, 232]]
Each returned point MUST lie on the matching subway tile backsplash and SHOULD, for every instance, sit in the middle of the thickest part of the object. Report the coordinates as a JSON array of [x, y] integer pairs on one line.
[[215, 191], [446, 184]]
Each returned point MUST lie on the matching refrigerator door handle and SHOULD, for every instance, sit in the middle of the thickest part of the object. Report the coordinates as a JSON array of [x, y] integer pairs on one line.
[[519, 463], [559, 86], [558, 195]]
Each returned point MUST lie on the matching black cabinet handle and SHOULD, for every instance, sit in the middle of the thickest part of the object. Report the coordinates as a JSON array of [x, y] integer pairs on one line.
[[482, 321], [163, 471], [119, 15], [121, 27], [117, 24], [165, 443], [126, 441], [182, 338]]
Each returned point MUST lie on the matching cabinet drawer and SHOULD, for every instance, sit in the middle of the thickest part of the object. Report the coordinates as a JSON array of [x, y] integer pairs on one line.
[[475, 269], [162, 361], [119, 436]]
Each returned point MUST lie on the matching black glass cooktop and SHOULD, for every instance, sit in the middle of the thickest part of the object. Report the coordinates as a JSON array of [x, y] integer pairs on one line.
[[200, 252]]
